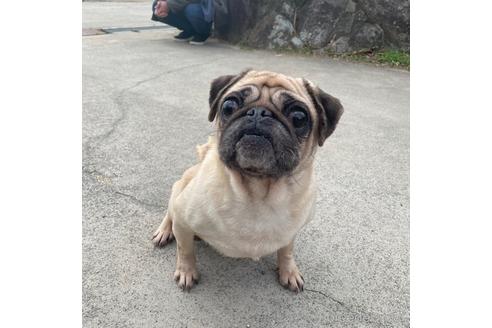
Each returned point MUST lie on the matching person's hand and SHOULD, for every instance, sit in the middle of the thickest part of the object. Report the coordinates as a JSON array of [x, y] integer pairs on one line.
[[161, 10]]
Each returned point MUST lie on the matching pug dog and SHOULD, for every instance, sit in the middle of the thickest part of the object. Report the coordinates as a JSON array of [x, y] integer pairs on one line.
[[254, 187]]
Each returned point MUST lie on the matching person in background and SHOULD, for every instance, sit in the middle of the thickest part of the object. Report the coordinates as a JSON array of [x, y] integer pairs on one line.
[[193, 17]]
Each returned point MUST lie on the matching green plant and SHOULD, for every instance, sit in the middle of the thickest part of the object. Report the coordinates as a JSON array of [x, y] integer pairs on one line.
[[393, 57]]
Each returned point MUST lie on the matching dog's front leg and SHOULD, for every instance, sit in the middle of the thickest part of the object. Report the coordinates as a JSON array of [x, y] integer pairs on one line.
[[288, 273], [186, 274]]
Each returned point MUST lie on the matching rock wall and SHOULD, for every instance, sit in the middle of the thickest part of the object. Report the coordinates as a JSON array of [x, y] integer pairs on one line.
[[336, 26]]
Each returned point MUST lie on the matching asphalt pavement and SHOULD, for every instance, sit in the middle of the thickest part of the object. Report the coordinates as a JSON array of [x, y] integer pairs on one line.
[[145, 106]]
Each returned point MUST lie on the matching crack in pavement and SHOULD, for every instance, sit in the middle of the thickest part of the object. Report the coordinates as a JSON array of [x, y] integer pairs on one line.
[[326, 295], [95, 172], [118, 102], [93, 142], [362, 315], [139, 201], [172, 71]]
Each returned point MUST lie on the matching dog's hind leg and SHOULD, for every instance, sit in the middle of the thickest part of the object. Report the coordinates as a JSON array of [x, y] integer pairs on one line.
[[164, 234]]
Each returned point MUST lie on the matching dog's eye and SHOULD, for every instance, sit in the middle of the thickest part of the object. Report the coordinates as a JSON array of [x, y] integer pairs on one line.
[[229, 106], [299, 118]]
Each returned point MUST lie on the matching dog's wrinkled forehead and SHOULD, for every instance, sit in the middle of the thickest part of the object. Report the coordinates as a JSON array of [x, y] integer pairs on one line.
[[271, 87]]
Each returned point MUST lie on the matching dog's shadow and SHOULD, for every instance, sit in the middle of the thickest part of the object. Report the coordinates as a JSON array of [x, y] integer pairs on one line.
[[225, 272], [218, 272]]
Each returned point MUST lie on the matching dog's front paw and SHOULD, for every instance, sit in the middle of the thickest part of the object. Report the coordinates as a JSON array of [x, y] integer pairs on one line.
[[291, 279], [186, 278]]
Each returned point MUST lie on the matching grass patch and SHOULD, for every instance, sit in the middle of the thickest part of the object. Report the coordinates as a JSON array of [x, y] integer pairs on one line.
[[395, 58], [392, 58]]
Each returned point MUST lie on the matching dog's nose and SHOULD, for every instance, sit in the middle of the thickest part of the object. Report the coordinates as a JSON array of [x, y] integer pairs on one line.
[[258, 112]]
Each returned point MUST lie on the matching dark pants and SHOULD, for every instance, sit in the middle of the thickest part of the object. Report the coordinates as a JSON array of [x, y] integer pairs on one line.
[[190, 20]]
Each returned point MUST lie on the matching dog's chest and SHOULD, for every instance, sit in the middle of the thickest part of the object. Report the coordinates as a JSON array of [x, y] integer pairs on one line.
[[248, 229]]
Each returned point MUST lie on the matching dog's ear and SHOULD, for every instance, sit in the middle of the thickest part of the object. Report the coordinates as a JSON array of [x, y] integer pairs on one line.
[[218, 88], [329, 111]]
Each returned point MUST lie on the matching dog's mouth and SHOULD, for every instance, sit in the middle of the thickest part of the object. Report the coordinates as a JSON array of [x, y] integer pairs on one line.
[[254, 152], [255, 136], [258, 149], [254, 145]]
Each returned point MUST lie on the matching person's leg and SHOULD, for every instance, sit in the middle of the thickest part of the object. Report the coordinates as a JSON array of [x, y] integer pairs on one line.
[[194, 15], [176, 20]]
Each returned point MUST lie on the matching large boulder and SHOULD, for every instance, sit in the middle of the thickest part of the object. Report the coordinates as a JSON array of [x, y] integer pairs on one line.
[[337, 26]]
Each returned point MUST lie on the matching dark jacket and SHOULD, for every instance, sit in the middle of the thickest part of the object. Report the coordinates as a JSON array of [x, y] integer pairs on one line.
[[177, 6], [213, 10]]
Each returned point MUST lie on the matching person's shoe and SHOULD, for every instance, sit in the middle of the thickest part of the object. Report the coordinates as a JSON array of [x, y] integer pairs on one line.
[[198, 40], [183, 36]]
